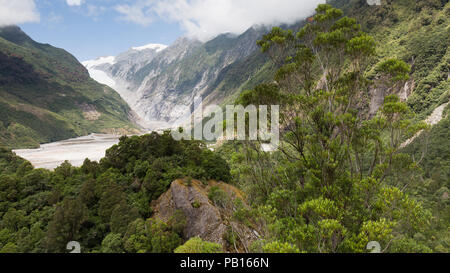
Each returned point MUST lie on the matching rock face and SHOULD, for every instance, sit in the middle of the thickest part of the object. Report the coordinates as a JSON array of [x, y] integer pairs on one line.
[[378, 94], [203, 218]]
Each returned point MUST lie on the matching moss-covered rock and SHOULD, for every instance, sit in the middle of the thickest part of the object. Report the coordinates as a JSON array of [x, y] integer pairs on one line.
[[209, 221]]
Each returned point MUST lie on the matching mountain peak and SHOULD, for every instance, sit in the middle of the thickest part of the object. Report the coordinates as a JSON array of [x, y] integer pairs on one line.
[[99, 61], [14, 34], [156, 47]]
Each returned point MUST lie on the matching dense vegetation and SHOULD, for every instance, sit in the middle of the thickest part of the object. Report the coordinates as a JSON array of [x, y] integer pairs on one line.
[[105, 206], [341, 177], [47, 95], [416, 32], [433, 187]]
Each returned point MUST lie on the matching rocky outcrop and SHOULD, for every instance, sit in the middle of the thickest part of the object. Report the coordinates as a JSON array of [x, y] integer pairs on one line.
[[205, 219], [90, 112], [379, 93]]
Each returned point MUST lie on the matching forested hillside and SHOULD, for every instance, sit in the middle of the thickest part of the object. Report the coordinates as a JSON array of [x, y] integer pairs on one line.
[[416, 32], [47, 95], [105, 206], [328, 73]]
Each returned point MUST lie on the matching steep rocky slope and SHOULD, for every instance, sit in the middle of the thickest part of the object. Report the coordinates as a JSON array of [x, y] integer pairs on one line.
[[153, 82], [47, 95], [211, 220]]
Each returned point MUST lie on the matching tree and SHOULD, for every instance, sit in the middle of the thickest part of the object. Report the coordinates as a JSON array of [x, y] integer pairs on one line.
[[338, 165], [9, 248], [66, 224], [112, 243], [14, 219], [122, 215], [151, 236], [112, 197]]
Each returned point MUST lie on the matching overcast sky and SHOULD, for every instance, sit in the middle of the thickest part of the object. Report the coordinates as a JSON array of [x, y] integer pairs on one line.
[[92, 28]]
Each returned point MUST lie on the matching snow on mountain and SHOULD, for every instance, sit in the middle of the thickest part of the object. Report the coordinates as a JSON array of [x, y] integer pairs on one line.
[[99, 61], [102, 78], [157, 47], [99, 75], [154, 79]]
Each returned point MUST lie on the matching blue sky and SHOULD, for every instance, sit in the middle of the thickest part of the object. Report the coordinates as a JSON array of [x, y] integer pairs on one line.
[[90, 35], [92, 28]]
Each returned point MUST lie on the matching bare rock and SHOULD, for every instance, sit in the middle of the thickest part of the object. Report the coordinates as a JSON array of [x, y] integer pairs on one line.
[[90, 112], [379, 93], [203, 218]]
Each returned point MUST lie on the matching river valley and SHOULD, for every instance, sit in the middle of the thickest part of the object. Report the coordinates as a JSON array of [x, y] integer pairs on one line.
[[76, 150]]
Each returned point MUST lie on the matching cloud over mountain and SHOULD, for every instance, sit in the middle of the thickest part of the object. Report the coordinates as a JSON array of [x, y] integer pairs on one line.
[[18, 12], [205, 19]]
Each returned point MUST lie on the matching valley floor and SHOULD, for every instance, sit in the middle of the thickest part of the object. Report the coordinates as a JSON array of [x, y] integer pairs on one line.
[[76, 150]]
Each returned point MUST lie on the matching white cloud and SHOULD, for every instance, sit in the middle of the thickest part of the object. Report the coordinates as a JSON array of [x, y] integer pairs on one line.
[[141, 13], [18, 12], [205, 19], [75, 2]]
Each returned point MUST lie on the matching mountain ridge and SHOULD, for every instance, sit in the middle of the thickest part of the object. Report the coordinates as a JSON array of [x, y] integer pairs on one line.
[[154, 84], [47, 95]]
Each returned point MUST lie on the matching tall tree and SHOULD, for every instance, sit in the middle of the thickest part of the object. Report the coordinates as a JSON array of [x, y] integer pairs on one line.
[[338, 165], [66, 224]]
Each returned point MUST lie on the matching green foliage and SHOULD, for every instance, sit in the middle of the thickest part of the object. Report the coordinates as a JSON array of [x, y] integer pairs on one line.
[[112, 244], [151, 236], [66, 224], [336, 182], [196, 204], [278, 247], [197, 245], [397, 70], [105, 206], [45, 93], [9, 248], [122, 215], [417, 33], [263, 94], [218, 196], [433, 191]]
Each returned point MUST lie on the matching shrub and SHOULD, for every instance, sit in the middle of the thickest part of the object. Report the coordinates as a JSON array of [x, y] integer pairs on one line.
[[218, 196], [197, 245]]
